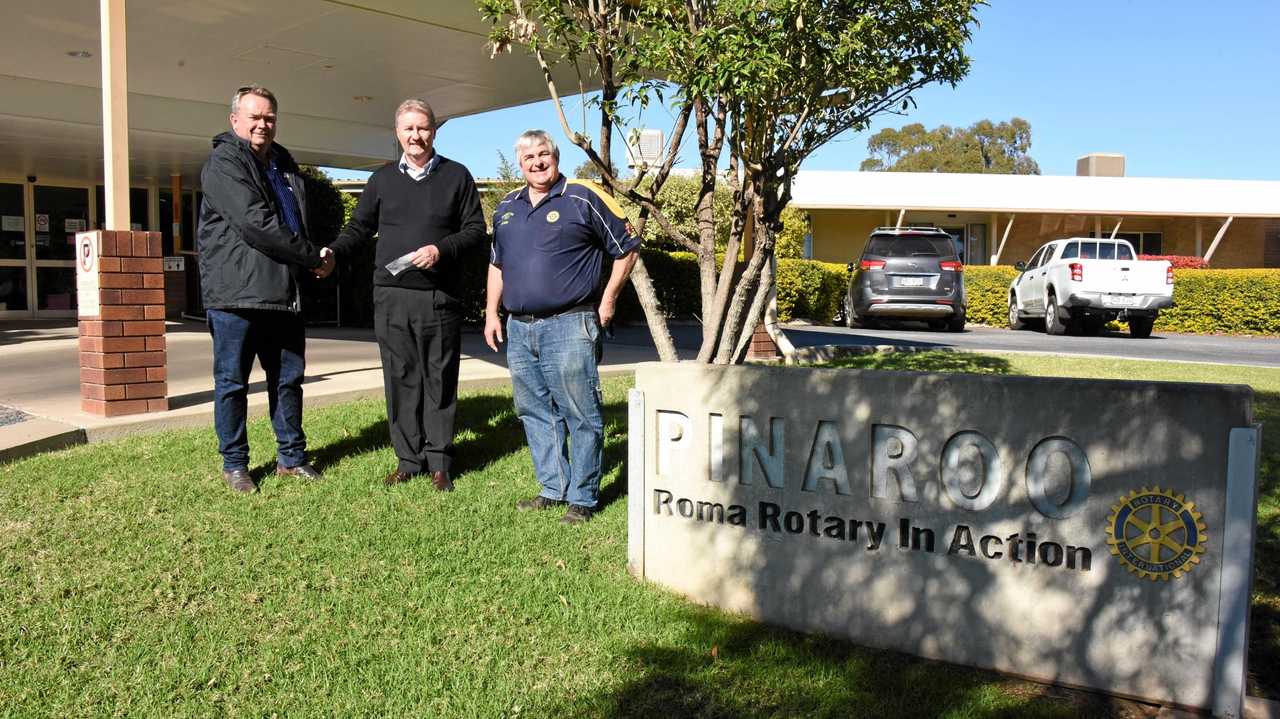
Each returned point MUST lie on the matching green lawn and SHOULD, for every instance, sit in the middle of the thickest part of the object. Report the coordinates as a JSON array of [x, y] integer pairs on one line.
[[132, 582]]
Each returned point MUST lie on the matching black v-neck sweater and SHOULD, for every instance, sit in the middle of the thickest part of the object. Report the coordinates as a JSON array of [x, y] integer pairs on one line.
[[441, 209]]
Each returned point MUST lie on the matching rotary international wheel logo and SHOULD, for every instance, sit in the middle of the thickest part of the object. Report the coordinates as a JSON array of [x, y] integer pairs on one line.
[[1156, 533]]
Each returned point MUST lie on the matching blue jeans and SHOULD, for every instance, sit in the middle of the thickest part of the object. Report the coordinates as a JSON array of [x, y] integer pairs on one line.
[[277, 339], [556, 384]]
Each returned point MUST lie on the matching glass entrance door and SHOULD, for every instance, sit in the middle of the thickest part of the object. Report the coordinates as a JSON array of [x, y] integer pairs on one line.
[[60, 212], [14, 299]]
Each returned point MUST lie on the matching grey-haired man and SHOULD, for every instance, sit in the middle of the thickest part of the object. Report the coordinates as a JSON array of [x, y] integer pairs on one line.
[[426, 212]]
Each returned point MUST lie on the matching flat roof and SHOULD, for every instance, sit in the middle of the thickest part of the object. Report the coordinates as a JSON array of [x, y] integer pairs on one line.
[[821, 190], [339, 70]]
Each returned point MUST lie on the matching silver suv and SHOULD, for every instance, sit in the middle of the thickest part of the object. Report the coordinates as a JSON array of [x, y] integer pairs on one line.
[[907, 273]]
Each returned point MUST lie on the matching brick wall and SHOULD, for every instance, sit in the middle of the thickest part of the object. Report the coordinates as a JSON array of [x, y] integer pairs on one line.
[[762, 346], [122, 349]]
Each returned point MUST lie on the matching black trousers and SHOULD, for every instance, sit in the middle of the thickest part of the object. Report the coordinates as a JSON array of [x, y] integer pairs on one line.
[[420, 338]]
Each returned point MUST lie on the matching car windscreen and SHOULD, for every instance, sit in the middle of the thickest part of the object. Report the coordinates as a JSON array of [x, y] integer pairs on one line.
[[889, 246]]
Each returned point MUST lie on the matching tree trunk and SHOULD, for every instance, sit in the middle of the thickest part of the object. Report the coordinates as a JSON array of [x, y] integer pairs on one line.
[[653, 315]]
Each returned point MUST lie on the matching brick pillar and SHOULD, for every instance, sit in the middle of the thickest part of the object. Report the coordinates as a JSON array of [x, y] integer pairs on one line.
[[120, 284], [762, 345]]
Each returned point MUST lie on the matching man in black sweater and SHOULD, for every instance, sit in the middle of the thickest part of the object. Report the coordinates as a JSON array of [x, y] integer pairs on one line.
[[426, 213]]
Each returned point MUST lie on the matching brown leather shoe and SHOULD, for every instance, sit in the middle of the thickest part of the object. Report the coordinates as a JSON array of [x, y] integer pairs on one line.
[[397, 477], [440, 480], [302, 471], [239, 480]]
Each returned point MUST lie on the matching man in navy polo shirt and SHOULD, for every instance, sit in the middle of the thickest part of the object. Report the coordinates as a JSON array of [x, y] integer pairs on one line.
[[550, 241]]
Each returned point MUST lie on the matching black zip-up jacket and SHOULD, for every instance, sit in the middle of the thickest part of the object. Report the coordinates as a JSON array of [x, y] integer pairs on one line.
[[249, 258]]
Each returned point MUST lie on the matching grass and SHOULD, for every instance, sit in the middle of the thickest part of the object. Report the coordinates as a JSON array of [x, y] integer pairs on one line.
[[132, 582]]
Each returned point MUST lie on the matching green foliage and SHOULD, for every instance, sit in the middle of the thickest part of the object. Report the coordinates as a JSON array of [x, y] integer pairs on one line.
[[983, 147], [810, 290], [795, 225], [675, 282], [678, 200], [806, 289], [507, 170], [510, 179], [587, 171], [763, 84], [987, 290], [325, 206], [325, 218], [1238, 302]]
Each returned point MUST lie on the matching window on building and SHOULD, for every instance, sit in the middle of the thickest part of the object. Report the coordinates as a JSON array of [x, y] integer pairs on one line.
[[137, 208], [1145, 243], [190, 207]]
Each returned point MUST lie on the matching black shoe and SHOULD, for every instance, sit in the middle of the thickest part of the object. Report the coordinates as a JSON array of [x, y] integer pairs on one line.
[[239, 480], [538, 502], [576, 515], [303, 471]]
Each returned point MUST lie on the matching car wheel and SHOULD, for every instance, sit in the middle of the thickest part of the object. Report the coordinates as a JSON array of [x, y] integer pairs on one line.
[[1140, 327], [850, 319], [956, 323], [1015, 317], [1053, 323]]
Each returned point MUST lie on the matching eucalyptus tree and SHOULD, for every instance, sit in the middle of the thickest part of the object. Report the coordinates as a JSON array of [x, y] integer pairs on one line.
[[761, 84]]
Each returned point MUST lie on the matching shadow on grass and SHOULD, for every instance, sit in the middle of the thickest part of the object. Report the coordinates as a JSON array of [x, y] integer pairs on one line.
[[495, 433], [932, 361], [727, 667], [1264, 624]]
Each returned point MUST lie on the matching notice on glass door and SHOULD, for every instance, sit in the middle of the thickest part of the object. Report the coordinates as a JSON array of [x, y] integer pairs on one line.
[[13, 223]]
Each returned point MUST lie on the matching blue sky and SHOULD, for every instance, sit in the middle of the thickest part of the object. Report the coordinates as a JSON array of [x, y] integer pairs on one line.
[[1181, 88]]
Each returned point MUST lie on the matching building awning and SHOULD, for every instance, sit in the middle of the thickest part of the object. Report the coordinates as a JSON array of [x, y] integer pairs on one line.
[[1021, 194], [338, 68]]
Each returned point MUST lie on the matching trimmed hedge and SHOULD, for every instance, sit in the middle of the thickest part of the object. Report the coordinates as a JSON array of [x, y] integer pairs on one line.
[[987, 289], [1242, 302], [811, 290], [1238, 302], [806, 289]]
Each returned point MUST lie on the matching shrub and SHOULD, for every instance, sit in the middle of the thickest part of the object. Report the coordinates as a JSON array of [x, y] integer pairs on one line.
[[1180, 262], [987, 290], [1241, 302], [806, 288], [810, 290], [1205, 301]]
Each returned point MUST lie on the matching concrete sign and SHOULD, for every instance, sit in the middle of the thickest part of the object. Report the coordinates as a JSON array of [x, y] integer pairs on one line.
[[1071, 531], [87, 279]]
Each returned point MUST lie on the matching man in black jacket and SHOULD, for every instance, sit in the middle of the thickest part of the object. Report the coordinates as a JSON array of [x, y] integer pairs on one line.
[[253, 246], [426, 212]]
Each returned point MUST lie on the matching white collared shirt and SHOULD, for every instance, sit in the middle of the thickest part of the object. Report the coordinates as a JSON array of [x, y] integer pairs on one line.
[[413, 172]]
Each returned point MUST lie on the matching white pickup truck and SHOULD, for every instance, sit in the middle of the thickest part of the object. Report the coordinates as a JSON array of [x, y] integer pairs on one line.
[[1081, 283]]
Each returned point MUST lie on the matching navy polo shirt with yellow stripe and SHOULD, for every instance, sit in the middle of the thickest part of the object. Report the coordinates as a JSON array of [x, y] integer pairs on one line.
[[552, 255]]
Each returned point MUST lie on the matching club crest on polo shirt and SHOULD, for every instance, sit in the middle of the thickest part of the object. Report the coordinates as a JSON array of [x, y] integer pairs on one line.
[[552, 216]]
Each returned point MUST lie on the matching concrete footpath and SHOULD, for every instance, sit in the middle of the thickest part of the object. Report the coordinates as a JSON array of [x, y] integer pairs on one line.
[[40, 377]]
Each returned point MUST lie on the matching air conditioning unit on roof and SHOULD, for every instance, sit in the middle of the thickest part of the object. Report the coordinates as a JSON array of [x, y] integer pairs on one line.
[[644, 147]]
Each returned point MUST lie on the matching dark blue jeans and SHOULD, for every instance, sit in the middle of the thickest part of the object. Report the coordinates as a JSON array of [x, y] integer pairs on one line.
[[277, 339], [556, 385]]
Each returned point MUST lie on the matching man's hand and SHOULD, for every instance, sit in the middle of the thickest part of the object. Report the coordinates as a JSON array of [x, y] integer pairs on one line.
[[492, 330], [328, 260], [425, 257], [606, 311]]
